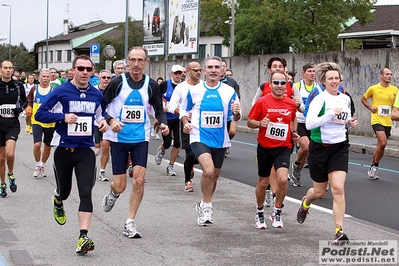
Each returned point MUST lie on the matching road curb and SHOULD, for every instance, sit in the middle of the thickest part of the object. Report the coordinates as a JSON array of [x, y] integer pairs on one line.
[[354, 147]]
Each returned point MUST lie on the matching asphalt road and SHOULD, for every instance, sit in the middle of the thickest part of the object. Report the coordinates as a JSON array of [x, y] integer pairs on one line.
[[370, 200]]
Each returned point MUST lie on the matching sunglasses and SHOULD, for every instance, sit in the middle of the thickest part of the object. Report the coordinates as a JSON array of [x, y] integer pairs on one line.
[[105, 77], [196, 69], [277, 82], [82, 68]]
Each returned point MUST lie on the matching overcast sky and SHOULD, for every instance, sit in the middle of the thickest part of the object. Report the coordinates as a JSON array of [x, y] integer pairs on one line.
[[28, 17]]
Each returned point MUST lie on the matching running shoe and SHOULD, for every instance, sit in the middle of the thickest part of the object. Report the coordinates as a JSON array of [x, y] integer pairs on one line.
[[102, 176], [109, 201], [130, 170], [372, 172], [306, 165], [84, 245], [269, 198], [302, 212], [131, 230], [30, 130], [37, 171], [13, 182], [42, 172], [59, 213], [27, 129], [328, 186], [275, 217], [3, 190], [339, 236], [296, 176], [205, 215], [170, 171], [159, 155], [260, 221], [188, 187]]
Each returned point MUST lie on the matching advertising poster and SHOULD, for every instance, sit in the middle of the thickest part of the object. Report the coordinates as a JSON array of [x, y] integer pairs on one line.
[[154, 27], [183, 27]]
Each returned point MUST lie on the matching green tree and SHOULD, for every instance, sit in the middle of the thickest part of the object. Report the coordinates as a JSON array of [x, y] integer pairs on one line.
[[20, 57], [264, 26], [135, 38], [315, 24]]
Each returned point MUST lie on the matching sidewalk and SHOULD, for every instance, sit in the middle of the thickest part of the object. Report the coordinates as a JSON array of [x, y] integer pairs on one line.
[[167, 221], [359, 144]]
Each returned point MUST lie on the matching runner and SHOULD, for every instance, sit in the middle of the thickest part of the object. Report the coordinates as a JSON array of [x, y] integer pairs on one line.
[[275, 116], [383, 97], [328, 115], [211, 103], [12, 101], [42, 132], [127, 97], [74, 106]]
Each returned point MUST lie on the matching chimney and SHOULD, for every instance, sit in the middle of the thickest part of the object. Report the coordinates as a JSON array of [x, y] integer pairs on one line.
[[65, 27]]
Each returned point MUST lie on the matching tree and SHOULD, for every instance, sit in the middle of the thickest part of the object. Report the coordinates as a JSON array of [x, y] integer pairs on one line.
[[20, 57], [264, 26], [135, 38]]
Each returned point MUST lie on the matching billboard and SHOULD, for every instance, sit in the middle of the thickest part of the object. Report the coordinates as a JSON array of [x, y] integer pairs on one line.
[[183, 35], [154, 26]]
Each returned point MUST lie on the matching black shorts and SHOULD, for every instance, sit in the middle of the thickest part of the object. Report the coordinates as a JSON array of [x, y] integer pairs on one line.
[[199, 148], [44, 134], [9, 129], [98, 136], [267, 157], [379, 127], [303, 131], [120, 154], [325, 158]]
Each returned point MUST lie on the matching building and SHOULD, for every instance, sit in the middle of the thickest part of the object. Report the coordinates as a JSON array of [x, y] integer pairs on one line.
[[76, 40], [383, 32]]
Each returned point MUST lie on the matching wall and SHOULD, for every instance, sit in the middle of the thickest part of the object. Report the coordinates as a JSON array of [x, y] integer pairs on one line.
[[360, 70]]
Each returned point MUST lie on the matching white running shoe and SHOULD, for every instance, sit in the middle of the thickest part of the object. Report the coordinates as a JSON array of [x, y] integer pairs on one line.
[[37, 171], [269, 198], [159, 155], [205, 215], [373, 172], [275, 217], [170, 171], [102, 176], [130, 230], [260, 221]]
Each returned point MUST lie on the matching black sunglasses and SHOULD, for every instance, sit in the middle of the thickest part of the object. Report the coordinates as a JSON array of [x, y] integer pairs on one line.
[[196, 69], [282, 82], [105, 77], [82, 68]]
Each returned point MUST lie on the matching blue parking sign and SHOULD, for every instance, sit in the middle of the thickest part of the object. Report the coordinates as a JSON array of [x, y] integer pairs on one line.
[[94, 48]]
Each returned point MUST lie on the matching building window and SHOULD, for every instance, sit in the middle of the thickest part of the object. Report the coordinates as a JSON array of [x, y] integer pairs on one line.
[[68, 55], [218, 50], [50, 55], [202, 51], [59, 56]]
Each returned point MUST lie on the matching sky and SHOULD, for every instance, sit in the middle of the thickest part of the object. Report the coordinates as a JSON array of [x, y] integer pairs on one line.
[[29, 17]]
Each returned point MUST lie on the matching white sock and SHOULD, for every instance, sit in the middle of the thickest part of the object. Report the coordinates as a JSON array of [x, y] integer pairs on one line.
[[129, 220]]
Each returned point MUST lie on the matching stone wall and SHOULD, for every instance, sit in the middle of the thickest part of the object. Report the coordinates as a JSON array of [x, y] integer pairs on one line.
[[360, 70]]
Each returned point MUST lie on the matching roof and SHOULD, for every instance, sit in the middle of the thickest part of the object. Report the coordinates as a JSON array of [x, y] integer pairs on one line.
[[386, 23], [83, 33]]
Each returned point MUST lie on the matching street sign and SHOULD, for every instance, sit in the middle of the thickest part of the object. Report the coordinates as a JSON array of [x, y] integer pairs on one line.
[[95, 53]]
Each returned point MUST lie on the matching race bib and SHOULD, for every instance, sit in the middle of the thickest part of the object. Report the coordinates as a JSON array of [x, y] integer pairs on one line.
[[132, 114], [341, 118], [211, 119], [82, 127], [6, 110], [384, 110], [277, 131]]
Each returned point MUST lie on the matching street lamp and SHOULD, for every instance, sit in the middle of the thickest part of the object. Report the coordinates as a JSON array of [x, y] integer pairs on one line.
[[9, 37]]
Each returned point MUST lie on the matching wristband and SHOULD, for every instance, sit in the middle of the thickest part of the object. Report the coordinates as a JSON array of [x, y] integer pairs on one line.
[[294, 131]]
